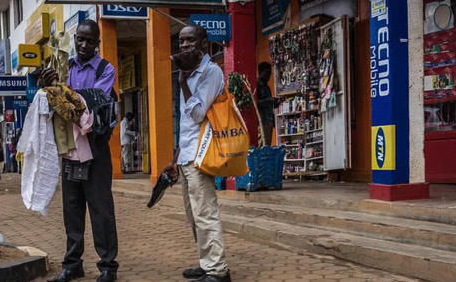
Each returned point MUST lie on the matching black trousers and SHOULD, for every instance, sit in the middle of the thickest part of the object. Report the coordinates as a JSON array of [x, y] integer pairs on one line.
[[96, 193]]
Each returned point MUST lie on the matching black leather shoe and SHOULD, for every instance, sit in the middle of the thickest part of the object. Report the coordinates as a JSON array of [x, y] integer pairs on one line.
[[213, 278], [107, 276], [68, 274], [193, 273]]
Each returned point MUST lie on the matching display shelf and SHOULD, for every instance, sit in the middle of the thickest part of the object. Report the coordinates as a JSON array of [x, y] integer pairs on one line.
[[294, 134], [289, 93], [292, 145], [305, 173], [314, 158], [289, 114], [314, 130], [314, 143], [293, 160]]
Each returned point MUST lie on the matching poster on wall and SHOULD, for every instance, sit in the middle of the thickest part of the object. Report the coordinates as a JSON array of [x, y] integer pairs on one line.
[[273, 15]]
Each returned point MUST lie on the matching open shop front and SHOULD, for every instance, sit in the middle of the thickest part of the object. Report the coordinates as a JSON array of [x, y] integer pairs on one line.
[[439, 91], [313, 80]]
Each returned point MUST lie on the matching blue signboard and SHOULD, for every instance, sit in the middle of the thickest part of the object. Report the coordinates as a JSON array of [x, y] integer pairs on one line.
[[117, 11], [218, 26], [13, 85], [32, 87], [2, 57], [14, 60], [389, 91], [273, 13]]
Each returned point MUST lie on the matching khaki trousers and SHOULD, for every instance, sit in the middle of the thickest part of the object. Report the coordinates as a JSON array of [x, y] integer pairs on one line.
[[203, 213]]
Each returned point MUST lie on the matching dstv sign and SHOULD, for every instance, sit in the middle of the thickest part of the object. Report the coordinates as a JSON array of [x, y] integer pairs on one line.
[[117, 11]]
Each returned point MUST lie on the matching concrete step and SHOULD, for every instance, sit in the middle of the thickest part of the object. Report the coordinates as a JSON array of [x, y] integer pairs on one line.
[[414, 232], [410, 260], [422, 233], [427, 210]]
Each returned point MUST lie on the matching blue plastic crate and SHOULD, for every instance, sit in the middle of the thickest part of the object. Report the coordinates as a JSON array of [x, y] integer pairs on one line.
[[265, 169], [220, 183]]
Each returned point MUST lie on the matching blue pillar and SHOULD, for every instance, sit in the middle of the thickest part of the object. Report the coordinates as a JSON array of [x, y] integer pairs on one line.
[[390, 102]]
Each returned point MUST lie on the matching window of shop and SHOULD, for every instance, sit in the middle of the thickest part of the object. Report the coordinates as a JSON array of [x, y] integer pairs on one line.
[[439, 90], [18, 12]]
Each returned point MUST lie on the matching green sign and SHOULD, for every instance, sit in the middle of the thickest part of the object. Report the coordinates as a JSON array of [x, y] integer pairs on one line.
[[189, 4]]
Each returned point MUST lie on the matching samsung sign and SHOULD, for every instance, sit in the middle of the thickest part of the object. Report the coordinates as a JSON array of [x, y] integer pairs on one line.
[[13, 85], [116, 11], [218, 26]]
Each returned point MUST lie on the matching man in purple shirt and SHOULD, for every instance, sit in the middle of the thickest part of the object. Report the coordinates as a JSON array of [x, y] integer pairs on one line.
[[96, 191]]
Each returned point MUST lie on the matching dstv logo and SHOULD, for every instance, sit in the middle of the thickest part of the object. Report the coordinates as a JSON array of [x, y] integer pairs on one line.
[[121, 8], [380, 147]]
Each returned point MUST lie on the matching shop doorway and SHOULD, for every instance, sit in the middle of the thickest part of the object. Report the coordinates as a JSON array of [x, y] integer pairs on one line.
[[132, 58]]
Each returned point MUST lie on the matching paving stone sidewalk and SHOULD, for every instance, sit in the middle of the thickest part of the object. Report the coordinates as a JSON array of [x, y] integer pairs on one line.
[[153, 247]]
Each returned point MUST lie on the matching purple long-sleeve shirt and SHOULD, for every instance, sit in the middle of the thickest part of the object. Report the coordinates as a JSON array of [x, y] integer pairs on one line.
[[83, 76]]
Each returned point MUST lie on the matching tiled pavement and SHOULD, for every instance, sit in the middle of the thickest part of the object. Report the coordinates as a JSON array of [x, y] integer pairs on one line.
[[153, 247]]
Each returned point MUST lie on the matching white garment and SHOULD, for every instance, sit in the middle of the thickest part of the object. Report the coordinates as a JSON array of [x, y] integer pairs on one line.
[[126, 135], [41, 167]]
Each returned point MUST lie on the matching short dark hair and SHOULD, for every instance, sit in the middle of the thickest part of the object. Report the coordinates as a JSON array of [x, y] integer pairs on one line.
[[263, 66], [129, 115], [93, 26], [201, 31]]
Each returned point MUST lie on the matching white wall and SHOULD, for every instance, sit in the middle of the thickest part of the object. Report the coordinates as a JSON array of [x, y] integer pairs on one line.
[[416, 72]]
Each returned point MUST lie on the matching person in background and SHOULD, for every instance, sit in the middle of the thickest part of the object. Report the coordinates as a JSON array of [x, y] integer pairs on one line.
[[201, 81], [94, 193], [127, 137], [2, 157], [266, 102]]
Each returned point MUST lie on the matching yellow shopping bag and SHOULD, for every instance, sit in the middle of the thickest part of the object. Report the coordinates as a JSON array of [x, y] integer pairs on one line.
[[224, 140]]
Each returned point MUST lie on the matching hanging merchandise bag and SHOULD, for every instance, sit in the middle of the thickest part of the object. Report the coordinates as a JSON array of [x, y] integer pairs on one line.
[[224, 140]]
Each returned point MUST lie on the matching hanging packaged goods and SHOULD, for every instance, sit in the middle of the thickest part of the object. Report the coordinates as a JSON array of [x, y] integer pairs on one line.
[[311, 74]]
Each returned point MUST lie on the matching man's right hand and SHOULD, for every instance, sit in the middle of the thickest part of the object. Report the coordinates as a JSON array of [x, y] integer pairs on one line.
[[172, 170], [48, 77]]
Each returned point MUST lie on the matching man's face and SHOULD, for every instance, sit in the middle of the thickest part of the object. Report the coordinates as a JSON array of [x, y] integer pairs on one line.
[[265, 75], [190, 40], [86, 42]]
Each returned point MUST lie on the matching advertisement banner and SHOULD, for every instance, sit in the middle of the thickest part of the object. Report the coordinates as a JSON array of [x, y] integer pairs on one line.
[[187, 4], [218, 26], [389, 91], [13, 85], [5, 57], [29, 55], [116, 11], [273, 14], [14, 60]]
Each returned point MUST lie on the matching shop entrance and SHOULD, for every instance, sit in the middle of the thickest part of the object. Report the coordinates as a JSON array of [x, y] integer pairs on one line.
[[132, 58]]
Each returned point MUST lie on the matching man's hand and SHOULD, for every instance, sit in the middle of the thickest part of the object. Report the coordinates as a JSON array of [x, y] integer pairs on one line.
[[48, 77], [172, 171], [183, 75]]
